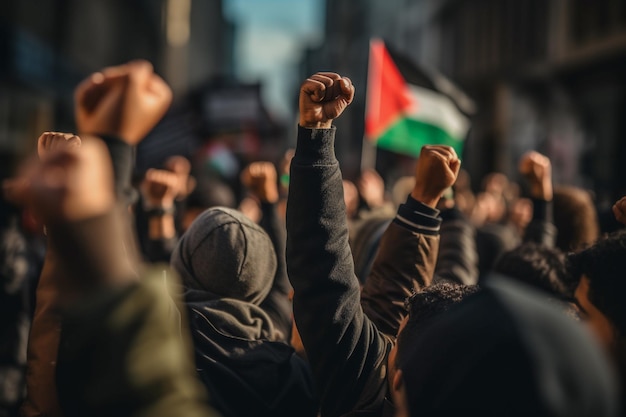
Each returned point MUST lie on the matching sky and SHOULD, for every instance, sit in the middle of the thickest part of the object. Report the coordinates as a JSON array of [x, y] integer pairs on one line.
[[270, 38]]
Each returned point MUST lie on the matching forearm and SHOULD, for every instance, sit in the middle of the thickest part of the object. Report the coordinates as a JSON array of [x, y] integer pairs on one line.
[[457, 261], [95, 251], [541, 229], [123, 159], [327, 308], [405, 263]]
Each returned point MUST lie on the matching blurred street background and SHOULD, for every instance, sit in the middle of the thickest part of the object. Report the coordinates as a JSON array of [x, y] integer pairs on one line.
[[544, 74]]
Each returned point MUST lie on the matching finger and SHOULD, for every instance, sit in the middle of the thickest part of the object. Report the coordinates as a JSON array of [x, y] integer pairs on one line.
[[446, 151], [159, 87], [616, 211], [347, 89], [140, 74], [332, 75], [42, 144], [73, 141], [314, 89], [455, 166]]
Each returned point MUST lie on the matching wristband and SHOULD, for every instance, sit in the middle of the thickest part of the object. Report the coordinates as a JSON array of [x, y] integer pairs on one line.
[[160, 211]]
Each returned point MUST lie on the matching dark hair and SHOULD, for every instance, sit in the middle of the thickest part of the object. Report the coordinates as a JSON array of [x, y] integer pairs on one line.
[[426, 304], [538, 266], [604, 264]]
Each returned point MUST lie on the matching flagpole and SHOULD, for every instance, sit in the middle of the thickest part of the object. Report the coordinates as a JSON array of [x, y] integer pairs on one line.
[[368, 155], [368, 148]]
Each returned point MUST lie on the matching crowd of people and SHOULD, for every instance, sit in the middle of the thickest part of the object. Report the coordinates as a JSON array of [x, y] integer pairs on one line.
[[311, 296]]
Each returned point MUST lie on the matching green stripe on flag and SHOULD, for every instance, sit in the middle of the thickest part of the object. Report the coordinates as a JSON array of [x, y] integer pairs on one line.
[[407, 136]]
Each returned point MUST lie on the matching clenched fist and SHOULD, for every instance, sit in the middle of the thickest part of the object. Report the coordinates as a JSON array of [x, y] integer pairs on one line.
[[537, 170], [260, 179], [323, 97], [125, 101], [68, 184], [159, 188], [51, 142], [436, 170]]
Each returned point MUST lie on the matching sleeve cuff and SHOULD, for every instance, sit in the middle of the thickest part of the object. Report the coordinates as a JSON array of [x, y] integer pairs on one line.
[[315, 146], [418, 217], [542, 210]]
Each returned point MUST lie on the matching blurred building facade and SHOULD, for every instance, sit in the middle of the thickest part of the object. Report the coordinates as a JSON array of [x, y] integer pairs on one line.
[[546, 75], [48, 46]]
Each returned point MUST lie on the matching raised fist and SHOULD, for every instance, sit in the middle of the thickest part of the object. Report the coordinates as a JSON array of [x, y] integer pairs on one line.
[[260, 179], [323, 97], [619, 210], [372, 188], [125, 101], [181, 166], [51, 142], [159, 188], [537, 170], [436, 170], [69, 184]]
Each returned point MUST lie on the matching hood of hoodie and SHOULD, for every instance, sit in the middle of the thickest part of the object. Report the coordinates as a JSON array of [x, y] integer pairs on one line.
[[245, 371], [225, 255]]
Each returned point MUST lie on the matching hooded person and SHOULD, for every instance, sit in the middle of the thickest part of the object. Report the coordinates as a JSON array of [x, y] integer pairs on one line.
[[227, 265], [505, 351]]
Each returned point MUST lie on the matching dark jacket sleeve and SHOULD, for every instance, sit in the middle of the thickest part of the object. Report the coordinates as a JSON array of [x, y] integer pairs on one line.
[[277, 304], [458, 257], [347, 353], [404, 264], [541, 230], [44, 335]]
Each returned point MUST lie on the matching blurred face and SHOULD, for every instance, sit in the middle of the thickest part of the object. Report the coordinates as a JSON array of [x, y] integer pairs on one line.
[[598, 323]]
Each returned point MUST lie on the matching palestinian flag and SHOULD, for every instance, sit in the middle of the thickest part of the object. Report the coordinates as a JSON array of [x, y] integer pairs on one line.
[[409, 107]]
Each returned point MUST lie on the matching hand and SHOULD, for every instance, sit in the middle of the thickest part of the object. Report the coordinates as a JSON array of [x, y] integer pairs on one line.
[[260, 179], [51, 142], [180, 166], [436, 170], [69, 184], [372, 188], [125, 101], [159, 188], [619, 210], [538, 172], [323, 97]]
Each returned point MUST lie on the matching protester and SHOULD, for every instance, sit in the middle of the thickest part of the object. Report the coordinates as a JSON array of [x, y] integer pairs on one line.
[[228, 268], [504, 352], [120, 353], [121, 105], [598, 271], [348, 344]]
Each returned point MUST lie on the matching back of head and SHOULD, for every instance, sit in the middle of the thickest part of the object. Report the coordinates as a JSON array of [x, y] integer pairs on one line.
[[426, 304], [575, 218], [505, 352], [536, 265], [604, 265], [225, 255]]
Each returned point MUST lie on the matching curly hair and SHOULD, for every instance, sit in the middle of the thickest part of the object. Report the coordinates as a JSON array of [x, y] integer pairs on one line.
[[536, 265], [427, 304]]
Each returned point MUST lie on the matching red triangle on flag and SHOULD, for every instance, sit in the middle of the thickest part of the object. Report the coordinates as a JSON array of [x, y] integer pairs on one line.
[[388, 95]]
